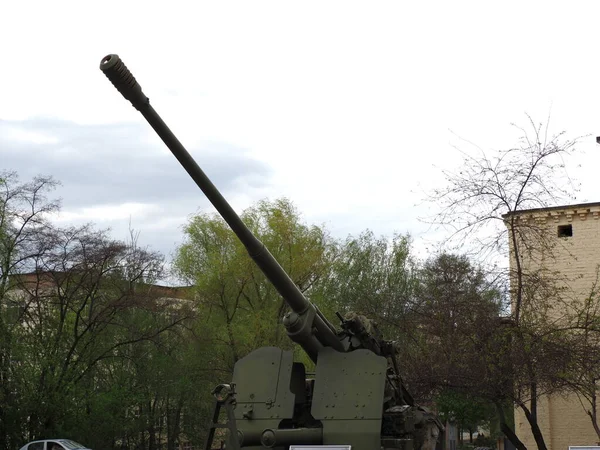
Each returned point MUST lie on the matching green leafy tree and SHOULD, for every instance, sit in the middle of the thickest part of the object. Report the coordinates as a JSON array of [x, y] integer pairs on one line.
[[72, 300], [454, 308], [77, 311], [24, 209], [239, 306], [374, 276], [465, 411]]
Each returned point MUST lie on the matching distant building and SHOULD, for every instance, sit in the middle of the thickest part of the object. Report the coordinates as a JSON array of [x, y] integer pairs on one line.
[[450, 436], [571, 236]]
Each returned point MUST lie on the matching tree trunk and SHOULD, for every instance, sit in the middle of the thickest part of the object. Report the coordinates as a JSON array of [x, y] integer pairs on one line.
[[151, 426], [232, 344], [507, 430], [174, 425], [142, 439], [593, 413], [532, 419]]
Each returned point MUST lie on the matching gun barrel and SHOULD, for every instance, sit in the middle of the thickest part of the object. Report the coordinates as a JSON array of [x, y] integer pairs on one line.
[[116, 71]]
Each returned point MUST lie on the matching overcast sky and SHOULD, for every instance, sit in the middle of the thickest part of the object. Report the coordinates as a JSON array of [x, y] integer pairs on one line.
[[343, 107]]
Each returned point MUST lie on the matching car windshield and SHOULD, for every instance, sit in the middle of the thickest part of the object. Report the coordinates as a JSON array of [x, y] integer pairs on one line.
[[71, 445]]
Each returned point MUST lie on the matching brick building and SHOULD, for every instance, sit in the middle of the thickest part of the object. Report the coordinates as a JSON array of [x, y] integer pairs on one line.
[[571, 249]]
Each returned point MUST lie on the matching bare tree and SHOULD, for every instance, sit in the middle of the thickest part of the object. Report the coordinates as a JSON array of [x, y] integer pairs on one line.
[[584, 377], [479, 205], [24, 210], [71, 299]]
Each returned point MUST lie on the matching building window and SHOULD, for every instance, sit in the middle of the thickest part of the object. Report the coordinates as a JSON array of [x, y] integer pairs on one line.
[[565, 230]]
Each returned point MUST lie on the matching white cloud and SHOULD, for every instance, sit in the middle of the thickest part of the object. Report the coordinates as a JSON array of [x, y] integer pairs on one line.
[[23, 135], [107, 213]]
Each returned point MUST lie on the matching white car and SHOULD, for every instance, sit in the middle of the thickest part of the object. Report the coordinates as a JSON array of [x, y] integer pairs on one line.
[[54, 444]]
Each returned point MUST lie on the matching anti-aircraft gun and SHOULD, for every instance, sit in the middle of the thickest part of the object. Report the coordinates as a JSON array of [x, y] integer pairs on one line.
[[356, 400]]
